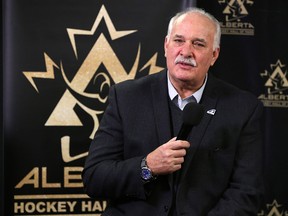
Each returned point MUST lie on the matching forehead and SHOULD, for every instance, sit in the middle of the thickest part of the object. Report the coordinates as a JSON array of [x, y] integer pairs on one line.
[[194, 23]]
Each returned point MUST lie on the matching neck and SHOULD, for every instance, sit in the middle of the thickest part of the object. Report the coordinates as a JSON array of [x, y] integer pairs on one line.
[[185, 89]]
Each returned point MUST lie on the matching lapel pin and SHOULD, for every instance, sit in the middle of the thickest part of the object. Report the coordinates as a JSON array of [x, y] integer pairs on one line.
[[211, 111]]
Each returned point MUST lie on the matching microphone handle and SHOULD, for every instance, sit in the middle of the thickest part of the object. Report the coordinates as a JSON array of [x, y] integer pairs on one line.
[[184, 132]]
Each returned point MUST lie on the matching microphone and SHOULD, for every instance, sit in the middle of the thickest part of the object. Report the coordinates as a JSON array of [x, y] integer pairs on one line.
[[192, 115]]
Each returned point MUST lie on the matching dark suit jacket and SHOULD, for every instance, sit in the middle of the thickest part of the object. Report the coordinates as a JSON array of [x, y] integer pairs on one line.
[[222, 172]]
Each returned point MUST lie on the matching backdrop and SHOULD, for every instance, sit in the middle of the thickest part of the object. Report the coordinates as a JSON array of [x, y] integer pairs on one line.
[[61, 57]]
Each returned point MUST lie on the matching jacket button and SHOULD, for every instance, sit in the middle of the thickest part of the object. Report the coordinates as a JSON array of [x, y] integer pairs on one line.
[[166, 208]]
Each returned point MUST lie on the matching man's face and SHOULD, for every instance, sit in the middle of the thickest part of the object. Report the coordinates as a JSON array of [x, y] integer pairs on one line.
[[192, 36]]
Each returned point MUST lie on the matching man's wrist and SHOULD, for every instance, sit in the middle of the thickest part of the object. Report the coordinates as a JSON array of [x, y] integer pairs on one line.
[[146, 173]]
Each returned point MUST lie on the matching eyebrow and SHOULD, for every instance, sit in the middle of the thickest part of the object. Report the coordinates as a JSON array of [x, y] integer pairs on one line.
[[200, 39], [195, 39], [178, 36]]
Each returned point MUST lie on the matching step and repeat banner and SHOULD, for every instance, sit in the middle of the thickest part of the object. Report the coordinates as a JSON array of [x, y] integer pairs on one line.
[[254, 56], [61, 57]]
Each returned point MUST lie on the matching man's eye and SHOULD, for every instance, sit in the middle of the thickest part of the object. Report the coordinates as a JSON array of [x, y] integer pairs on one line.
[[198, 44], [178, 40]]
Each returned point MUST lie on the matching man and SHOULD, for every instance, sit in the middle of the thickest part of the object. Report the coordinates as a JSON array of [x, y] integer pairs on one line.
[[136, 162]]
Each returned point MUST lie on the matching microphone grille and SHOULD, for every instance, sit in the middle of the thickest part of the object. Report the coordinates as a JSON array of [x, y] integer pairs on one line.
[[192, 113]]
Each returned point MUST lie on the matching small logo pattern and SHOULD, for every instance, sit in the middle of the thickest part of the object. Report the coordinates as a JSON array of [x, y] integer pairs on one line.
[[273, 209], [276, 84], [236, 13]]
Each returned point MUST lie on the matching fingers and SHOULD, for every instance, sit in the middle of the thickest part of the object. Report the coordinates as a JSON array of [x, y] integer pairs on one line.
[[179, 144], [179, 153], [168, 157]]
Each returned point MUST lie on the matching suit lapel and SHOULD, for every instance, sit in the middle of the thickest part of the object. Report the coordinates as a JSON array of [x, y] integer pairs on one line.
[[209, 101], [161, 107]]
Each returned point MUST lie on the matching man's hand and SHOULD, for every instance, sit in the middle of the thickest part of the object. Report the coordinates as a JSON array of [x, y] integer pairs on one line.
[[168, 157]]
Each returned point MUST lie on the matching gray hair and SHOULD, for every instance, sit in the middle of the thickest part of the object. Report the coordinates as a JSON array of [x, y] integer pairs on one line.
[[190, 10]]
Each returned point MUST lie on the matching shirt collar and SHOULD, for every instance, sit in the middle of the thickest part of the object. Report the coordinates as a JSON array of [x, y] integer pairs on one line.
[[173, 93]]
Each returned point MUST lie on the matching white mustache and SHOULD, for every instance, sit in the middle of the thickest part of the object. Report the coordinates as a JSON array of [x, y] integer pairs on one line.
[[183, 60]]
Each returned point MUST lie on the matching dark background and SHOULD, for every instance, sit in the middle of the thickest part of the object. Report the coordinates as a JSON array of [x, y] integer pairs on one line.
[[32, 27]]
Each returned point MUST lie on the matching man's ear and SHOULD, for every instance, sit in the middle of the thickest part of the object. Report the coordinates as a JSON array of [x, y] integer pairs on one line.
[[215, 56], [165, 45]]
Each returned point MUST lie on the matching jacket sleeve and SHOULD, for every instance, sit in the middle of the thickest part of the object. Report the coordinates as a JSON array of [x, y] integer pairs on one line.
[[245, 190], [106, 173]]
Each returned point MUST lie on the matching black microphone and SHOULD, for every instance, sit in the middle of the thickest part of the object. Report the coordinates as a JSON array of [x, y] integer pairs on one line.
[[192, 115]]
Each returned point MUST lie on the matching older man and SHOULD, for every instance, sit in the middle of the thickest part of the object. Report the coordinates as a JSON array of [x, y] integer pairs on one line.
[[135, 160]]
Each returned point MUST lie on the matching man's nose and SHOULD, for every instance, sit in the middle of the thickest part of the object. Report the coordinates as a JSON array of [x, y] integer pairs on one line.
[[187, 50]]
